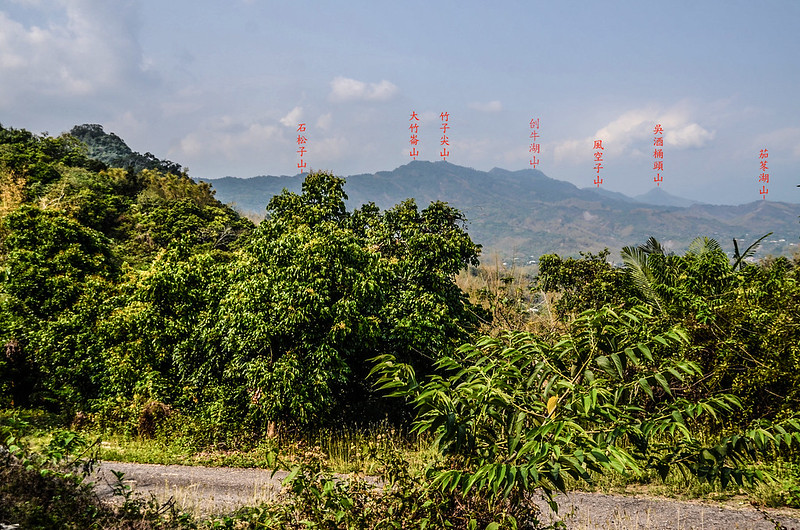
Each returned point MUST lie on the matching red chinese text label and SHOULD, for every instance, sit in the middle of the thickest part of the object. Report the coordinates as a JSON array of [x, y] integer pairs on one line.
[[598, 161], [445, 140], [658, 154], [414, 140], [301, 146], [535, 147]]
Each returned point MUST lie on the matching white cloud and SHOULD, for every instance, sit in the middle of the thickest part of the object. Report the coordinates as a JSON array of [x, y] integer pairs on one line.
[[628, 128], [633, 130], [346, 89], [294, 117], [228, 139], [491, 106], [691, 135], [78, 48], [325, 121]]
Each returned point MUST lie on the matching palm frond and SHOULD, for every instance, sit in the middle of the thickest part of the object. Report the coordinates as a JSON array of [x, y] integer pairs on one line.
[[637, 263], [751, 250], [653, 246], [703, 245]]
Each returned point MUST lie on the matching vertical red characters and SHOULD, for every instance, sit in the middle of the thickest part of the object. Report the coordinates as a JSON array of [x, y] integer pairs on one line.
[[535, 148], [444, 141], [301, 144], [598, 161], [658, 154], [764, 176], [414, 128]]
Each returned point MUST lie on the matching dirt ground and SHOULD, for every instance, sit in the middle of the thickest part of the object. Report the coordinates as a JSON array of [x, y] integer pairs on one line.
[[205, 490]]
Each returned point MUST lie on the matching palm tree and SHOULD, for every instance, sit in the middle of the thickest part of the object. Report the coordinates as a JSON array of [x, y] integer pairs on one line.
[[652, 268], [647, 265]]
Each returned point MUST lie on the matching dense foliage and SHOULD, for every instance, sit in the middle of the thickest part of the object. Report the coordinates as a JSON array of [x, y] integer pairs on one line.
[[122, 287], [519, 413], [590, 282], [742, 319], [129, 295]]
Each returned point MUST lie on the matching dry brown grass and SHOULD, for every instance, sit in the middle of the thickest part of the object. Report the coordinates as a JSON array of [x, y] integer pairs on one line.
[[507, 293], [12, 191]]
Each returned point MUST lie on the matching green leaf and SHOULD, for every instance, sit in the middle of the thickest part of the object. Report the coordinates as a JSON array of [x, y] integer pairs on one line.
[[659, 377], [645, 351], [646, 387], [617, 363], [632, 356]]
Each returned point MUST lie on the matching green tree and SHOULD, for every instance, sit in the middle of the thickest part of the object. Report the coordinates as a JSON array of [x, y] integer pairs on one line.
[[50, 266], [321, 290], [589, 282], [517, 413]]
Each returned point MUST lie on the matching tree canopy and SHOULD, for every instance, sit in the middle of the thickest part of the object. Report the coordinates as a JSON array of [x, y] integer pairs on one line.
[[195, 307]]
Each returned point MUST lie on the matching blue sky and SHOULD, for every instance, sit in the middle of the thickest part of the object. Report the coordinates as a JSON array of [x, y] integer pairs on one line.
[[220, 86]]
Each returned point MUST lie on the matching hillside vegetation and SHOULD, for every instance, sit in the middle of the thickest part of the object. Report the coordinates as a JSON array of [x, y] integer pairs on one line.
[[133, 303], [525, 214], [123, 287]]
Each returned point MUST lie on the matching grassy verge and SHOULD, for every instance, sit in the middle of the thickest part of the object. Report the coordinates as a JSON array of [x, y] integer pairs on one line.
[[344, 450], [351, 450], [358, 449]]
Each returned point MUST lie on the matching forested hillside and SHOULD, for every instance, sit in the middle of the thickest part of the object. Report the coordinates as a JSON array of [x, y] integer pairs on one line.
[[526, 214], [124, 286], [133, 303], [114, 152]]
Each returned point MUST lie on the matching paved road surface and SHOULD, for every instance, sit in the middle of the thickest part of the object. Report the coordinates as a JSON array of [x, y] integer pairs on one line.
[[219, 490]]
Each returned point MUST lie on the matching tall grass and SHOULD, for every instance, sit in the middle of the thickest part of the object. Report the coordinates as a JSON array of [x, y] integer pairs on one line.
[[353, 449], [505, 291], [343, 449]]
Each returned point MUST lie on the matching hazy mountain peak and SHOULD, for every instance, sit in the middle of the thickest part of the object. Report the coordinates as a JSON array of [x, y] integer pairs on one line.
[[525, 212], [660, 197]]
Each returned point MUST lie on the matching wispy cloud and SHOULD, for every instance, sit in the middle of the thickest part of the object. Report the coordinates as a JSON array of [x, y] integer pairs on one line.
[[325, 121], [228, 139], [329, 149], [76, 49], [347, 89], [786, 139], [634, 129], [490, 106], [293, 117]]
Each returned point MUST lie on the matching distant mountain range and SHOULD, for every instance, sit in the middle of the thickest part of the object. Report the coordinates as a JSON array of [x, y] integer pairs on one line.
[[656, 196], [514, 214], [524, 214]]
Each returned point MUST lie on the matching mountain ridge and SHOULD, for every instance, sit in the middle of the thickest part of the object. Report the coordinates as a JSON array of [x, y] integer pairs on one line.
[[525, 213], [513, 213]]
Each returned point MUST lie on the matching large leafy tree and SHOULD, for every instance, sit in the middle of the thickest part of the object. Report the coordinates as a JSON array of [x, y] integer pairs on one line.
[[283, 327], [51, 267], [320, 290]]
